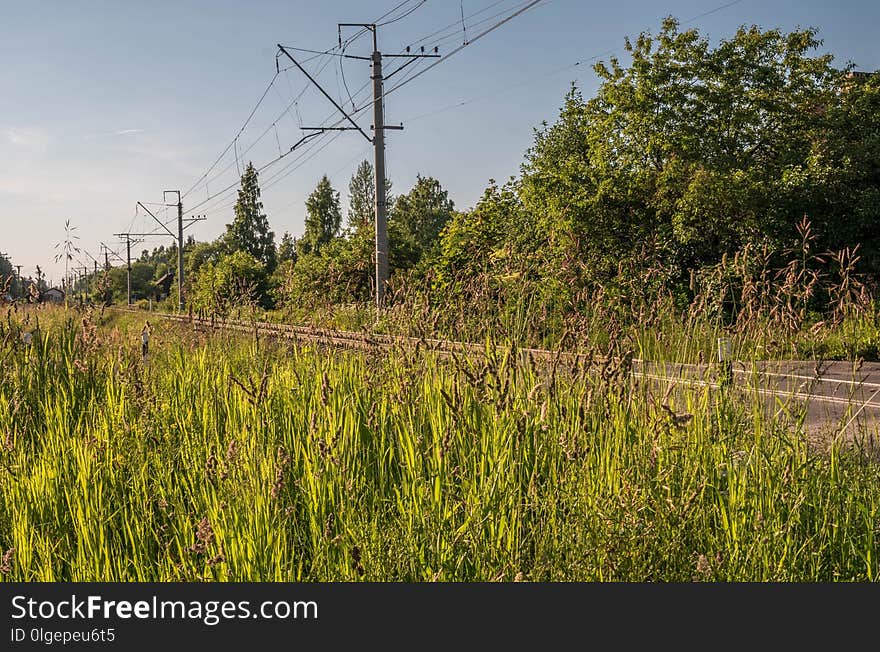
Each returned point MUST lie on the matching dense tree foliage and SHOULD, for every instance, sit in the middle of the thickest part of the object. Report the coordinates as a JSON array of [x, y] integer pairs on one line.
[[329, 267], [416, 221], [495, 243], [249, 231], [6, 270], [287, 249], [323, 217], [702, 150], [236, 278]]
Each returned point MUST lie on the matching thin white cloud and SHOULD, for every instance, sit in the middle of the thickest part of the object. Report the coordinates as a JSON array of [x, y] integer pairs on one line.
[[105, 135], [28, 138]]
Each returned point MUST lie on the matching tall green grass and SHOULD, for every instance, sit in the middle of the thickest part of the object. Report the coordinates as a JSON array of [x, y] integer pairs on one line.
[[225, 458]]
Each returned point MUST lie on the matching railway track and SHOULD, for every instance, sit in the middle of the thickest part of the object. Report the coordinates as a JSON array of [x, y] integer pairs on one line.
[[835, 384], [366, 341]]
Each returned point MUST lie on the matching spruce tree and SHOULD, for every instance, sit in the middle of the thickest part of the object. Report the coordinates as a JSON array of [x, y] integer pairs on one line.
[[249, 230], [323, 216]]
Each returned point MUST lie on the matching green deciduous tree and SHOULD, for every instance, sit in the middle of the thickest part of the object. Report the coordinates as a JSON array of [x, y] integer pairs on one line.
[[701, 150], [236, 278], [416, 221], [340, 273]]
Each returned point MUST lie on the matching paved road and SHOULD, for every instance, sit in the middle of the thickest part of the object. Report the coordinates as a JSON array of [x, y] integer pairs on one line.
[[837, 399]]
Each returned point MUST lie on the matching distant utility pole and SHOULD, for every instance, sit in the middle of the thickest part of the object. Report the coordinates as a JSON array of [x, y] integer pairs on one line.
[[107, 251], [83, 287], [378, 140], [94, 271], [19, 289], [127, 237], [128, 267], [179, 238], [179, 248]]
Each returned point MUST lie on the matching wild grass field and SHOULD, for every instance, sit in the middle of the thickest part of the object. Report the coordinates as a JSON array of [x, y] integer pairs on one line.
[[222, 457]]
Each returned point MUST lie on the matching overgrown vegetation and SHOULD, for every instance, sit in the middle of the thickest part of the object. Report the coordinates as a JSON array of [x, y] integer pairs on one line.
[[705, 191], [220, 458], [737, 185]]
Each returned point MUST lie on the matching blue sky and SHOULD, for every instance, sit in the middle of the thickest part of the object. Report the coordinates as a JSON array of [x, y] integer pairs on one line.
[[106, 103]]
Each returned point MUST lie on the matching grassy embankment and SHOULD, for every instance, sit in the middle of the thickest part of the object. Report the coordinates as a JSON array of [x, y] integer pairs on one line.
[[223, 458]]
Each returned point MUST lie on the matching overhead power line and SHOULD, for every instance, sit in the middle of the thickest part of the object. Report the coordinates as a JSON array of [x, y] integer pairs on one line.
[[326, 142], [461, 47], [402, 16], [235, 139], [318, 53], [551, 73], [456, 23], [309, 147]]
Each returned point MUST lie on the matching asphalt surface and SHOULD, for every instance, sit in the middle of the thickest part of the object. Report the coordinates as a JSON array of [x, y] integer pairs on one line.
[[832, 400]]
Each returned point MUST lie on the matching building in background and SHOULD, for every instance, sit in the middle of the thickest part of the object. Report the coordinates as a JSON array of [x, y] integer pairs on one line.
[[52, 295]]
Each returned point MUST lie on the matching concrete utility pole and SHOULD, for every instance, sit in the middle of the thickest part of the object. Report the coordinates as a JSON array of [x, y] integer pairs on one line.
[[378, 140], [178, 237], [128, 267], [179, 249], [3, 255], [83, 287], [107, 252], [379, 161], [127, 237]]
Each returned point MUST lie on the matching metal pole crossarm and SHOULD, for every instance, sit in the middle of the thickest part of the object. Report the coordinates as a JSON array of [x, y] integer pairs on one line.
[[126, 236], [311, 135], [413, 56], [327, 128], [180, 303], [325, 93], [192, 220], [327, 52], [162, 224], [369, 26], [143, 235]]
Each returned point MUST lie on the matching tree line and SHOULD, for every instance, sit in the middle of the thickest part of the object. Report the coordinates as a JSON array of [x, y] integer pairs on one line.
[[687, 156]]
